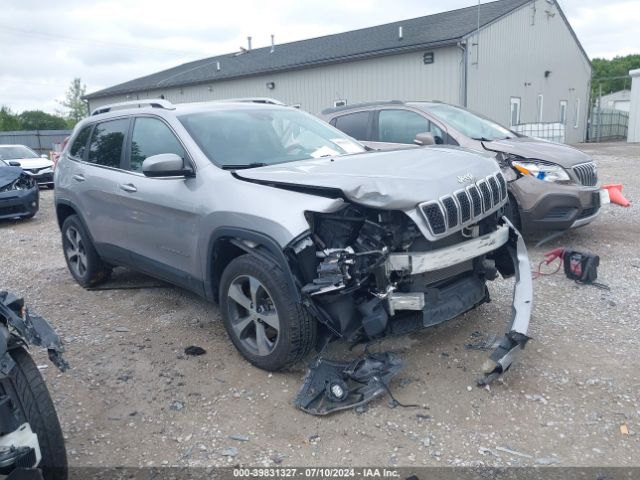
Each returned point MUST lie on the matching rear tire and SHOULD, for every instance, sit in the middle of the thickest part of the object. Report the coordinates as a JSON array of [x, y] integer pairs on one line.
[[84, 263], [264, 322], [32, 403]]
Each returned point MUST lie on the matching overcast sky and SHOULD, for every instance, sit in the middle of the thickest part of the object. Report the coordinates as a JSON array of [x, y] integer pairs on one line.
[[45, 44]]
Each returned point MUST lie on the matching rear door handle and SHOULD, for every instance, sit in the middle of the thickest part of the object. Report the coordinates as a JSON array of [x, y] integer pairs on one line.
[[79, 177], [128, 187]]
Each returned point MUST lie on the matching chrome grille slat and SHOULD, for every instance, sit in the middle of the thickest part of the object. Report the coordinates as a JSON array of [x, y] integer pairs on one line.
[[476, 200], [495, 190], [451, 209], [486, 195], [465, 206], [587, 173]]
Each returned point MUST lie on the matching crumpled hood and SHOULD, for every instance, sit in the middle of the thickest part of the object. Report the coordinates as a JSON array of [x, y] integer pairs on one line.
[[393, 180], [534, 148], [9, 174]]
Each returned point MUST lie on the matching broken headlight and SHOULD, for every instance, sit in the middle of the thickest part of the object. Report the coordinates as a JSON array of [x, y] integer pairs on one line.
[[546, 171], [23, 182]]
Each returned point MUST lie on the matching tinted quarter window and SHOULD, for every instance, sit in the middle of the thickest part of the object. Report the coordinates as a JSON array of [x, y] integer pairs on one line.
[[354, 124], [401, 126], [80, 143], [106, 142], [152, 137]]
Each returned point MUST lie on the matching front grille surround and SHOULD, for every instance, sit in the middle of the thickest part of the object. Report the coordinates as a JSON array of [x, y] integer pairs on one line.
[[465, 206], [587, 173]]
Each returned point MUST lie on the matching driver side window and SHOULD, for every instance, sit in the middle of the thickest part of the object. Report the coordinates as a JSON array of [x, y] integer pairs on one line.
[[151, 137]]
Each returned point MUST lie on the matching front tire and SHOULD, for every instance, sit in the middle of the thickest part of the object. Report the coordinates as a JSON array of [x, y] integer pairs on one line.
[[512, 212], [32, 403], [264, 322], [84, 263]]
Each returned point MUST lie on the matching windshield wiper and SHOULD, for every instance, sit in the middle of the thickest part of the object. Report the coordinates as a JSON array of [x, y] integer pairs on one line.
[[245, 165], [482, 139]]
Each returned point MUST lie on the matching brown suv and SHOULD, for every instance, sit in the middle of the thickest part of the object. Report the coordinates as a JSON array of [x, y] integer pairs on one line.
[[551, 186]]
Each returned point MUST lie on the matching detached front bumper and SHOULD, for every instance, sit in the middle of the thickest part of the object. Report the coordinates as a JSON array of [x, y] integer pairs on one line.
[[516, 336], [506, 247]]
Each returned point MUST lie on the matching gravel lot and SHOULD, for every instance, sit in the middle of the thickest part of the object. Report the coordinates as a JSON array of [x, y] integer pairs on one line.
[[133, 398]]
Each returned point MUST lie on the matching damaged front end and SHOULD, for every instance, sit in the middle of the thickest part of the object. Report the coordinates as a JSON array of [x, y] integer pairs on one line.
[[367, 273]]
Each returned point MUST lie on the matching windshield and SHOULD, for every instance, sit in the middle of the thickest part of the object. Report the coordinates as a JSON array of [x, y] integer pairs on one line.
[[468, 123], [16, 153], [251, 137]]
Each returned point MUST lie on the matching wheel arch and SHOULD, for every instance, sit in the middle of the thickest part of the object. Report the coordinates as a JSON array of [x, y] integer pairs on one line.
[[228, 243]]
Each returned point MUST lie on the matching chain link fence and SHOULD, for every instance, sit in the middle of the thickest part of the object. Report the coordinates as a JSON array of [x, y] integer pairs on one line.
[[551, 131], [606, 124]]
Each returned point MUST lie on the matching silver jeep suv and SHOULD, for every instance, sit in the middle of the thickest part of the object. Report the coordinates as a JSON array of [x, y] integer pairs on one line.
[[299, 232]]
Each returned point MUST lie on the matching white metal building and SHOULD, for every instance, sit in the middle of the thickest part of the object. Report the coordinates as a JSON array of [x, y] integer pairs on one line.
[[620, 100], [515, 61], [633, 134]]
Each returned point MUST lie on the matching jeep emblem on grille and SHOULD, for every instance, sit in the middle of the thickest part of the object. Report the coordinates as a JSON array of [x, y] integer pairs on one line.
[[467, 177]]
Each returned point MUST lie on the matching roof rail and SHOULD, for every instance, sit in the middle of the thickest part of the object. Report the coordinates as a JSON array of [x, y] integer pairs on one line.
[[266, 100], [151, 102], [361, 105]]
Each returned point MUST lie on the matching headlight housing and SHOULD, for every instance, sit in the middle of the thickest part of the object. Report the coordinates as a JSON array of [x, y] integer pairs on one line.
[[545, 171]]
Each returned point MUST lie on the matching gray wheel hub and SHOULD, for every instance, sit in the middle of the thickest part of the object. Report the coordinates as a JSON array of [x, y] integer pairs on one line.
[[252, 315], [75, 252]]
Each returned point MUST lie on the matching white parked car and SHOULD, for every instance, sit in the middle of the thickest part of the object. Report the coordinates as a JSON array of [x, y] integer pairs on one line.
[[39, 167]]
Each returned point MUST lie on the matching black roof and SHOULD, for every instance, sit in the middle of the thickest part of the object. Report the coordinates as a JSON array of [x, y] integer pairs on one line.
[[430, 31]]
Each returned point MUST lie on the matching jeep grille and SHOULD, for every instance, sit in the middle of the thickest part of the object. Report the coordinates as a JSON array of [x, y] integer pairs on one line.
[[465, 206]]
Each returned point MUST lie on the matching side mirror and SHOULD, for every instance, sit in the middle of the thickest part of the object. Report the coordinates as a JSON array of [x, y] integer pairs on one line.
[[166, 165], [425, 138], [44, 156], [13, 163]]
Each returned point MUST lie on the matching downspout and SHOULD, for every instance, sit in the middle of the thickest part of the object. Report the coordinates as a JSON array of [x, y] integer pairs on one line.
[[463, 72]]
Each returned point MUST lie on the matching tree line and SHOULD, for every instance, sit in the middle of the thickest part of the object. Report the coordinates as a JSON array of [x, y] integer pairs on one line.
[[612, 75], [74, 109]]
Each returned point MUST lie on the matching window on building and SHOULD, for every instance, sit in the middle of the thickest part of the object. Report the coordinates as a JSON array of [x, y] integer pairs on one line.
[[563, 112], [152, 137], [107, 141], [515, 111], [80, 143], [576, 117], [354, 124], [540, 105], [339, 103], [402, 126]]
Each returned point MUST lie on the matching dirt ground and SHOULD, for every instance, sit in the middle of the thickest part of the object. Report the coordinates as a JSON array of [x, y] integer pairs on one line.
[[133, 398]]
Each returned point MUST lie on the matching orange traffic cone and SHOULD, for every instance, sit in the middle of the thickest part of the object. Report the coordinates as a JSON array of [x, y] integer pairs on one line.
[[615, 194]]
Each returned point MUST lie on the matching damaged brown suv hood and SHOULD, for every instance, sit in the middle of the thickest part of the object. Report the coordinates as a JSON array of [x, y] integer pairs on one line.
[[396, 179], [533, 148]]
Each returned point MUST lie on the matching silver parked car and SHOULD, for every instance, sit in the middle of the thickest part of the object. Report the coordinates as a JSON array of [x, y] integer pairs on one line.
[[299, 232]]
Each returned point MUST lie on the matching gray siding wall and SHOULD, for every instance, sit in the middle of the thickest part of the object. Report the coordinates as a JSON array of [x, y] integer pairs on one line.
[[397, 77], [512, 57]]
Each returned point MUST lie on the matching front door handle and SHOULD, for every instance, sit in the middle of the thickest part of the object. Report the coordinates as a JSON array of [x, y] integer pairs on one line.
[[128, 187], [79, 177]]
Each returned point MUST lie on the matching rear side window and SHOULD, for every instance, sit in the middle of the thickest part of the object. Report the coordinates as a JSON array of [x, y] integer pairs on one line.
[[107, 141], [80, 143], [152, 137], [401, 126], [354, 124]]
